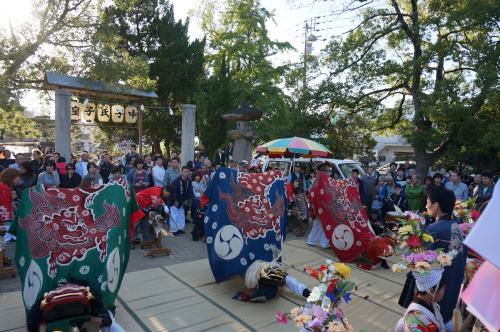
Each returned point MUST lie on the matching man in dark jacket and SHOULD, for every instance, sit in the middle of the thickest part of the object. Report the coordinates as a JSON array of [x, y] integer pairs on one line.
[[449, 237], [105, 168], [220, 158]]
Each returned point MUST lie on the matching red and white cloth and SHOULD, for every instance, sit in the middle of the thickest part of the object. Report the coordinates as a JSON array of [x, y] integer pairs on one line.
[[344, 220]]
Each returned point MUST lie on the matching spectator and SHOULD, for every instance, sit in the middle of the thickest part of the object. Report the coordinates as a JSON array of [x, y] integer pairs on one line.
[[437, 180], [310, 180], [445, 175], [432, 170], [82, 166], [131, 154], [93, 175], [130, 166], [297, 174], [220, 158], [49, 177], [159, 172], [149, 171], [355, 177], [138, 176], [478, 181], [447, 236], [20, 159], [414, 193], [183, 193], [196, 210], [61, 166], [55, 156], [244, 167], [117, 173], [27, 178], [406, 169], [9, 178], [392, 170], [398, 199], [485, 191], [5, 159], [400, 177], [148, 161], [456, 185], [105, 167], [37, 162], [229, 152], [71, 179], [172, 172], [372, 172], [387, 191]]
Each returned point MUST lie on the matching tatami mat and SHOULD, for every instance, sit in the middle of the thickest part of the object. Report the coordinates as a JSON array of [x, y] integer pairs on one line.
[[185, 297]]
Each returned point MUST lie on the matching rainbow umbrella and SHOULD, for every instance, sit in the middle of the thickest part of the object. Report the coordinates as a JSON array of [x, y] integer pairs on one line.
[[293, 146]]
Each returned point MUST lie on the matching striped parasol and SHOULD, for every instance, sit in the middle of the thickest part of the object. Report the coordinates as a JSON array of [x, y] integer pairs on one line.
[[294, 146]]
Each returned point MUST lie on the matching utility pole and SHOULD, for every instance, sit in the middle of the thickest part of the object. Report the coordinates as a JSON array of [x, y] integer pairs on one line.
[[309, 38]]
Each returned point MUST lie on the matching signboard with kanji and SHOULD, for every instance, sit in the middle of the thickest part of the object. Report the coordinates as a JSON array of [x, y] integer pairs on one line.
[[75, 110], [131, 114], [103, 113], [117, 113], [89, 113]]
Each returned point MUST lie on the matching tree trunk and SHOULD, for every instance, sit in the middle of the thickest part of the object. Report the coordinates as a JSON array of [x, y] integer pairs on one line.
[[156, 147], [423, 161]]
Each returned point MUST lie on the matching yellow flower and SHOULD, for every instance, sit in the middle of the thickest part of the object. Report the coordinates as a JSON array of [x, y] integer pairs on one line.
[[335, 326], [396, 268], [422, 266], [444, 259], [302, 319], [343, 270], [427, 237], [295, 312], [405, 230]]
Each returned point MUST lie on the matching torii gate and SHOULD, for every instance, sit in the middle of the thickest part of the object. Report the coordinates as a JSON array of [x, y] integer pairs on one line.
[[65, 86]]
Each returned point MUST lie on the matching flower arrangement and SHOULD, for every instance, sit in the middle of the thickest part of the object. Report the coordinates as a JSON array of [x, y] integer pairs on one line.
[[414, 240], [466, 212], [321, 312]]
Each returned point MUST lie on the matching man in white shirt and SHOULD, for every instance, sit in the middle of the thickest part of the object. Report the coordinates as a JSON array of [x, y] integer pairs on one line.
[[81, 166], [19, 161], [456, 185], [159, 172]]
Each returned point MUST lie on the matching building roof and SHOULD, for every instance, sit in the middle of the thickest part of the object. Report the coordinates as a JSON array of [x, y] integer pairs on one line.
[[383, 141], [87, 87]]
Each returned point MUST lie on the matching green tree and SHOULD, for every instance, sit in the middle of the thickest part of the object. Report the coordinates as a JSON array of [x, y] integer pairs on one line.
[[149, 33], [60, 26], [238, 60], [15, 126], [426, 68]]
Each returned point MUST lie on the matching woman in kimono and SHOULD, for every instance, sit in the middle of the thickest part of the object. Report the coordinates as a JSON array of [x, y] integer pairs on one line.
[[422, 315]]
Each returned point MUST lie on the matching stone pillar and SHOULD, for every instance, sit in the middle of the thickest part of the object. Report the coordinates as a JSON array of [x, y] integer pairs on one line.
[[187, 135], [242, 141], [63, 123]]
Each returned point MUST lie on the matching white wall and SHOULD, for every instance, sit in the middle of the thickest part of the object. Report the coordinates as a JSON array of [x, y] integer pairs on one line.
[[389, 151]]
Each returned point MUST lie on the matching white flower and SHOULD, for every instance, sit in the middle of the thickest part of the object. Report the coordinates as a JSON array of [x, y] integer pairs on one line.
[[332, 268], [329, 261], [315, 295], [214, 207]]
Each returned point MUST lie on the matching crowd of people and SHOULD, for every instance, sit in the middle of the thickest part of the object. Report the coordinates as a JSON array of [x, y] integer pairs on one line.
[[181, 189]]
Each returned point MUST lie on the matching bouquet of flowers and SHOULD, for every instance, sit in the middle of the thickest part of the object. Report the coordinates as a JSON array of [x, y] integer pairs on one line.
[[414, 240], [321, 312], [466, 212]]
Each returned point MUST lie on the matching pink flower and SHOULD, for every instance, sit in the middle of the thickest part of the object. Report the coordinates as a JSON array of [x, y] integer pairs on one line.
[[281, 318], [316, 322], [319, 313]]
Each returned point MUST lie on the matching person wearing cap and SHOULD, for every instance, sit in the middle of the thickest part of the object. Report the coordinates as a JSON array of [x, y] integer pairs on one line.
[[423, 314], [244, 166], [448, 236]]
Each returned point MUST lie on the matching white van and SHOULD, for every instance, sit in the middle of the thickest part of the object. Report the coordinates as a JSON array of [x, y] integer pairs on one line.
[[342, 167]]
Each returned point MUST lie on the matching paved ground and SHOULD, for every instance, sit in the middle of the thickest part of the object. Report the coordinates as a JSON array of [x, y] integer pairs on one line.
[[184, 249]]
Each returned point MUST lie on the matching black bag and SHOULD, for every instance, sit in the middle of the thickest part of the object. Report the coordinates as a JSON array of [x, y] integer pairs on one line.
[[408, 292]]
